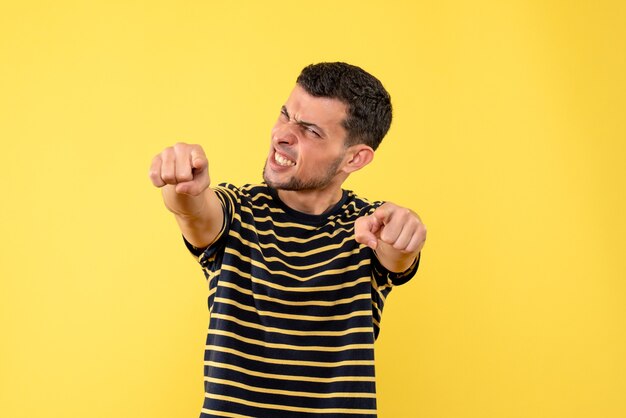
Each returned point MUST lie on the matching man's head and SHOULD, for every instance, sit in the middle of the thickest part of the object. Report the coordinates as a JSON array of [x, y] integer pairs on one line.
[[368, 103], [334, 118]]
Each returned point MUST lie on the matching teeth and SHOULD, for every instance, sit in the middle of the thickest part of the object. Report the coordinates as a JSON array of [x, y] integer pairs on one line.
[[283, 161]]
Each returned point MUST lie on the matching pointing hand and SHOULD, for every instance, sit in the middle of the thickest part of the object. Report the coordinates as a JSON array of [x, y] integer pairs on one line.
[[391, 228]]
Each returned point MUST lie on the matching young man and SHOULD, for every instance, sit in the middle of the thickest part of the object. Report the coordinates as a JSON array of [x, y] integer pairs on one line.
[[298, 268]]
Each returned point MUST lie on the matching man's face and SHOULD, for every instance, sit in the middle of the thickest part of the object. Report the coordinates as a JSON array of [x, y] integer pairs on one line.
[[307, 148]]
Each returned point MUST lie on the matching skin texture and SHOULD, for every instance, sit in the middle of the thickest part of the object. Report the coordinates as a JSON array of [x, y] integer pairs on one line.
[[307, 163]]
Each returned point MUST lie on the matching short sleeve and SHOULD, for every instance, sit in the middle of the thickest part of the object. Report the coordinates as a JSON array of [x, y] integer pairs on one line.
[[385, 278], [207, 256]]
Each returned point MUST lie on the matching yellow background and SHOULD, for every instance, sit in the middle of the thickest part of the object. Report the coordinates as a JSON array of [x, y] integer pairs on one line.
[[509, 139]]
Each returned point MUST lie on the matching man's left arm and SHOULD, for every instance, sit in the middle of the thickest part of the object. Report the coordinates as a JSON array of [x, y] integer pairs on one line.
[[396, 235]]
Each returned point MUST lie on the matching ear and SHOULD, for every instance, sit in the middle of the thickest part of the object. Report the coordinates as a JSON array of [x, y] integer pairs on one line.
[[357, 157]]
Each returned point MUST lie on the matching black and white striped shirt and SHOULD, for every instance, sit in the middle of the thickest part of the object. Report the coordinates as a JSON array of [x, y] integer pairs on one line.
[[294, 309]]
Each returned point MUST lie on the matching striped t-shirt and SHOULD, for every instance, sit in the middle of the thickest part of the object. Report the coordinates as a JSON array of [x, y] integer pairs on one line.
[[294, 308]]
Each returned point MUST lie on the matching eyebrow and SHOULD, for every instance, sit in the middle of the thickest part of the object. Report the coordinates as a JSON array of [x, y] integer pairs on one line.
[[305, 124]]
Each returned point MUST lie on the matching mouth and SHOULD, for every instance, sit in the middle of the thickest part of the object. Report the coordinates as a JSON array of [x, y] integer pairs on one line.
[[282, 160]]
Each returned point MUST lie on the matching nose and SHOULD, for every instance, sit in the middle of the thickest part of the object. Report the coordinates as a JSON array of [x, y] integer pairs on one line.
[[283, 133]]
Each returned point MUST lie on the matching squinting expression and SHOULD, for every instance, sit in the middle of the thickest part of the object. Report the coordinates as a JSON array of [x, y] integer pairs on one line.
[[307, 147]]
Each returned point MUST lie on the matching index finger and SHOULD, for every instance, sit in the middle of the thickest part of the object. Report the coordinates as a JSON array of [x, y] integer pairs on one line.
[[365, 229], [383, 213]]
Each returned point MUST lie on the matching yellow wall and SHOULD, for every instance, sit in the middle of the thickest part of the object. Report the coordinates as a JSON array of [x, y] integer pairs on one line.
[[508, 139]]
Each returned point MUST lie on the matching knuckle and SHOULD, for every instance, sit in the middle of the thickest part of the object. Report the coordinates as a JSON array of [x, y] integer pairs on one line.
[[398, 247], [184, 176], [154, 174], [181, 148], [169, 178], [166, 154], [407, 214]]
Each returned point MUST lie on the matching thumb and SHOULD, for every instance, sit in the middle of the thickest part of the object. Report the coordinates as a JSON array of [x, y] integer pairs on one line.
[[199, 162], [365, 229], [200, 180]]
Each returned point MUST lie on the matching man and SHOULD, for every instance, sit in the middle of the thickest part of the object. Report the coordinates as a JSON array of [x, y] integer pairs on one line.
[[298, 268]]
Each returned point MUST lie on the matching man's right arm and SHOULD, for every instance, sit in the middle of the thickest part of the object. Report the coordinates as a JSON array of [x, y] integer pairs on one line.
[[182, 173]]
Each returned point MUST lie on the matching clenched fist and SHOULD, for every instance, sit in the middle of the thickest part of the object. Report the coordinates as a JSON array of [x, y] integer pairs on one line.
[[396, 233], [182, 173], [184, 166]]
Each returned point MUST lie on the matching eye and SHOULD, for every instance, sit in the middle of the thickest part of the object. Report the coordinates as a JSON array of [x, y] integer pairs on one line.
[[313, 131], [283, 113]]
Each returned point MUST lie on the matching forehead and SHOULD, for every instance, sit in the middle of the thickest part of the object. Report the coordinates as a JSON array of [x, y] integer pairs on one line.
[[323, 111]]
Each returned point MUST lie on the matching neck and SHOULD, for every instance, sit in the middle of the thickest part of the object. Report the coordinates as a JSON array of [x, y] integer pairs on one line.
[[312, 202]]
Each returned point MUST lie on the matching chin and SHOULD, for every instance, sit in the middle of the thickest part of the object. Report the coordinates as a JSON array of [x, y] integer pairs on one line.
[[267, 179]]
